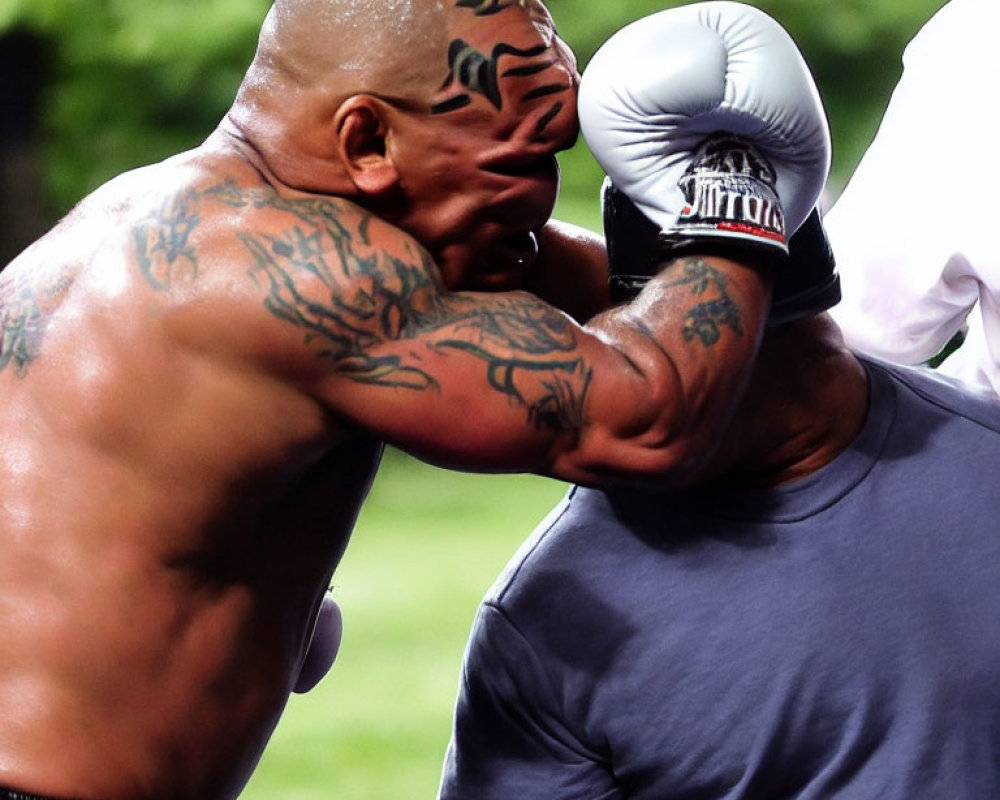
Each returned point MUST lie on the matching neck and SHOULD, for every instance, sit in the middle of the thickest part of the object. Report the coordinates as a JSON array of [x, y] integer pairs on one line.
[[807, 401], [230, 137], [288, 146]]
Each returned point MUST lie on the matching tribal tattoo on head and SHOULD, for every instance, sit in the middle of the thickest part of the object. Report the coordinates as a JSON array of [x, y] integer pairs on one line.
[[478, 73], [323, 276], [471, 72], [483, 8]]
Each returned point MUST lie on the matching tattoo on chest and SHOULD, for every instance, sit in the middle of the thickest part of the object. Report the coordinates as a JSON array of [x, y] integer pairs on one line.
[[320, 273], [26, 303]]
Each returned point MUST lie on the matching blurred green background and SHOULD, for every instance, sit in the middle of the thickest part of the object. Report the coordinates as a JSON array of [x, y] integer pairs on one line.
[[93, 87]]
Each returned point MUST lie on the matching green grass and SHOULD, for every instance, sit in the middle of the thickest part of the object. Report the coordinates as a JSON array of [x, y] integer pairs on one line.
[[428, 545]]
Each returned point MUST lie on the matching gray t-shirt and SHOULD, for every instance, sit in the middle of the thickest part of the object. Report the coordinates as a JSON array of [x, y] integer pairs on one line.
[[838, 637]]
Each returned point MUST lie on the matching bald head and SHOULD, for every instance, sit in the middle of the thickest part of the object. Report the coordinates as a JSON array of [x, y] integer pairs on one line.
[[328, 50], [344, 47], [320, 61], [440, 117], [314, 54]]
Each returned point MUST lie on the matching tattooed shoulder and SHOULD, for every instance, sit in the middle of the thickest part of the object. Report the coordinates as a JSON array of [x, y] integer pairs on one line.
[[26, 304], [349, 293], [332, 272], [163, 247], [312, 258], [350, 284]]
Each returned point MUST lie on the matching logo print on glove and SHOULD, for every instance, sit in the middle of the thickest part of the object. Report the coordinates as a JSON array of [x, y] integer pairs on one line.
[[730, 188]]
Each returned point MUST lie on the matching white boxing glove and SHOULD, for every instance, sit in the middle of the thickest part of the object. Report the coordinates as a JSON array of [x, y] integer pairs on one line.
[[706, 118]]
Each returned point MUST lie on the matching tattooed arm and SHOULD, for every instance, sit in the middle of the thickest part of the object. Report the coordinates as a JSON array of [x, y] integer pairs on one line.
[[486, 381], [504, 381], [689, 340]]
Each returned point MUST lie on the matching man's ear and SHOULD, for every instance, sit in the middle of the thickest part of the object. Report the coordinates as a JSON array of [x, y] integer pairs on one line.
[[362, 129]]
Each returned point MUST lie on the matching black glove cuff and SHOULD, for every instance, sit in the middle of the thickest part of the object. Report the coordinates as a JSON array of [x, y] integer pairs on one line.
[[632, 244], [638, 249], [808, 282], [805, 280]]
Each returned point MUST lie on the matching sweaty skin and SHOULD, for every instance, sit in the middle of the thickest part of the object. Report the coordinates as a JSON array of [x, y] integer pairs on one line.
[[199, 365]]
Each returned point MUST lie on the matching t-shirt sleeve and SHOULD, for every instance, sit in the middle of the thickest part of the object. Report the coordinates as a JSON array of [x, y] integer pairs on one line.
[[510, 738], [913, 231]]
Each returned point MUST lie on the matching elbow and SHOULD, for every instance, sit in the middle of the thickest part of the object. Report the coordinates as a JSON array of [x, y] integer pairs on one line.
[[668, 442], [648, 461]]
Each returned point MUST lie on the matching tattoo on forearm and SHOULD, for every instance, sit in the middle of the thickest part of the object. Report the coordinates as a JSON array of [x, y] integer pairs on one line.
[[706, 320], [324, 276], [559, 408], [26, 304]]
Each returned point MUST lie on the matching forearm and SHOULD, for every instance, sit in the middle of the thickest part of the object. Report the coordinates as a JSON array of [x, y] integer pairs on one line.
[[685, 348], [503, 381]]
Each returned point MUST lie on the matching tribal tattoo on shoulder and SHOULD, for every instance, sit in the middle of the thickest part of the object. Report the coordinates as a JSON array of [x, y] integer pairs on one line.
[[162, 243], [322, 275], [26, 304]]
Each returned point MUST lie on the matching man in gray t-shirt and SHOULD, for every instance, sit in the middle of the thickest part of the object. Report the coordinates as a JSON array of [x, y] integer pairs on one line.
[[795, 628]]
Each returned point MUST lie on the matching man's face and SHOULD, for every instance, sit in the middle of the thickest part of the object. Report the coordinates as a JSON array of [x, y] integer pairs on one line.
[[478, 171]]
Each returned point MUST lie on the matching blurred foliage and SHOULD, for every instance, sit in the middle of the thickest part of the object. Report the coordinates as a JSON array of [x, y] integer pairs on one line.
[[131, 81]]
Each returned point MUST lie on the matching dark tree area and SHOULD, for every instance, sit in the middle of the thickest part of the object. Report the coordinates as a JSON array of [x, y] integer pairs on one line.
[[22, 195]]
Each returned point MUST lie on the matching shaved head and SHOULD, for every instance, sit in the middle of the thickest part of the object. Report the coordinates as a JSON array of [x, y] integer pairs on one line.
[[328, 50], [312, 55], [378, 46], [442, 118], [332, 83]]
